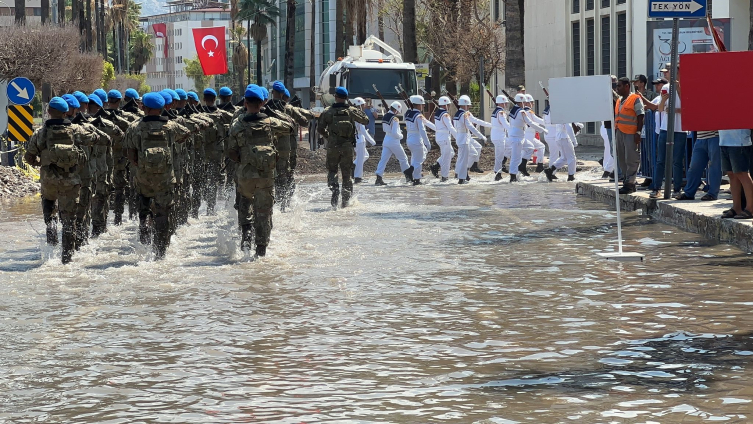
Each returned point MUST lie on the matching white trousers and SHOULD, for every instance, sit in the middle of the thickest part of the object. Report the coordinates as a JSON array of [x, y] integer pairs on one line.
[[554, 149], [461, 165], [361, 156], [445, 157], [567, 156], [390, 149], [417, 158], [516, 154], [540, 150], [528, 148], [475, 153], [500, 150], [608, 159]]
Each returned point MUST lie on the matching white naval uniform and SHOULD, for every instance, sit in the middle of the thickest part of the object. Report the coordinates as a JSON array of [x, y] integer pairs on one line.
[[608, 159], [500, 126], [391, 144], [566, 141], [551, 141], [464, 127], [519, 120], [362, 136], [475, 152], [538, 147], [417, 140], [445, 132]]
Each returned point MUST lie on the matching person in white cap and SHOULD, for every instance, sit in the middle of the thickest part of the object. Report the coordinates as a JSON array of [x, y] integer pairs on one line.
[[464, 127], [362, 136], [417, 140], [445, 131], [475, 147], [500, 126], [566, 142], [391, 145], [539, 148], [519, 119]]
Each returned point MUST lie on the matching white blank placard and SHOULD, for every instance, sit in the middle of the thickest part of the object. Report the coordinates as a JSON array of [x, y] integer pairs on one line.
[[580, 99]]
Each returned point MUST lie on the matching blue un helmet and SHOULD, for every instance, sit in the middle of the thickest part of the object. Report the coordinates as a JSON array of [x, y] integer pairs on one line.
[[167, 97], [182, 95], [102, 94], [254, 92], [59, 104], [114, 94], [173, 93], [154, 100], [72, 101], [278, 86], [193, 96], [93, 98], [81, 97], [225, 91], [209, 92], [132, 94]]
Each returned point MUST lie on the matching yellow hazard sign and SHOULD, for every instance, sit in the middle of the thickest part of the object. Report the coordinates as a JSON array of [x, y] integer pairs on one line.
[[20, 122]]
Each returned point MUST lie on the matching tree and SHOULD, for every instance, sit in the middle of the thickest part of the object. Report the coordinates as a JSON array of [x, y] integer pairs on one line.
[[108, 74], [240, 54], [20, 11], [142, 50], [262, 13], [45, 5], [339, 28], [410, 49], [515, 74], [289, 43], [196, 73]]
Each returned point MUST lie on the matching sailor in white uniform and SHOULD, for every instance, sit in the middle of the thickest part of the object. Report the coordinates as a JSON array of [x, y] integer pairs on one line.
[[362, 136], [500, 126], [519, 120], [551, 142], [445, 132], [476, 147], [417, 141], [391, 145], [567, 142], [465, 128]]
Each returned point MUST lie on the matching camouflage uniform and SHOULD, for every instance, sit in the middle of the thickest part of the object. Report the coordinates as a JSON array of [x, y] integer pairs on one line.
[[337, 124], [300, 117], [276, 108], [103, 161], [251, 143], [58, 145], [214, 152], [151, 141], [129, 189], [199, 122], [119, 169]]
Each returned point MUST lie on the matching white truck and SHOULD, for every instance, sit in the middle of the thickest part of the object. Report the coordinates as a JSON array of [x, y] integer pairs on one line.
[[364, 67]]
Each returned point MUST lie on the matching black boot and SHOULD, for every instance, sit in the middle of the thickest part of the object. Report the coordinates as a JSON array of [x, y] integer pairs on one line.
[[380, 181], [627, 188], [571, 178], [435, 170], [161, 237], [409, 174], [504, 168], [443, 180], [611, 177], [462, 181], [605, 175], [335, 194], [550, 173], [540, 167], [476, 169], [357, 180], [247, 237], [513, 178], [145, 234], [498, 177], [261, 251], [346, 197], [601, 162], [417, 182], [52, 233], [69, 240], [504, 162], [523, 169]]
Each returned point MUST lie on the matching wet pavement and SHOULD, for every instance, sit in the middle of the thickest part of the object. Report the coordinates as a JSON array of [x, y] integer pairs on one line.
[[482, 303]]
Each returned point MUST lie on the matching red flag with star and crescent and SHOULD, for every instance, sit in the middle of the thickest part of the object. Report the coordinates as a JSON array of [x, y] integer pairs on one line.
[[160, 31], [210, 48]]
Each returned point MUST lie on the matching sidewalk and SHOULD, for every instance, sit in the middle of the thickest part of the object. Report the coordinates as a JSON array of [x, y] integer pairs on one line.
[[699, 217]]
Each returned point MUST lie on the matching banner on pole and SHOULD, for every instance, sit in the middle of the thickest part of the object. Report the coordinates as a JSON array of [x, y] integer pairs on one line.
[[210, 48], [581, 99]]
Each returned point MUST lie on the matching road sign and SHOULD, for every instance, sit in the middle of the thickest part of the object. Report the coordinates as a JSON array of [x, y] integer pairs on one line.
[[20, 91], [677, 8], [20, 122]]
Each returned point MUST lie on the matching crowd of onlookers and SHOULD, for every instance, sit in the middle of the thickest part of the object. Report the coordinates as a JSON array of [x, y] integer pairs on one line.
[[699, 160]]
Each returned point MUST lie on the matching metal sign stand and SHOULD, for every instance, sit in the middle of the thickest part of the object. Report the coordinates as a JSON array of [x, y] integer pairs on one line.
[[669, 159]]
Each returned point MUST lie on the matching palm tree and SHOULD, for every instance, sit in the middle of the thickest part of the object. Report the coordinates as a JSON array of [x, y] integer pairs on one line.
[[240, 54], [262, 13], [142, 50], [339, 29], [289, 42], [410, 49], [515, 69]]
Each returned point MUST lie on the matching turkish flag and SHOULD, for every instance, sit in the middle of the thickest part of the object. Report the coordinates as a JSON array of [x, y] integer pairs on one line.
[[210, 48], [160, 31]]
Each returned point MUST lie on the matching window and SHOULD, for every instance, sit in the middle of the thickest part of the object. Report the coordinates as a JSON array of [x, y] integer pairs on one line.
[[576, 6], [590, 128], [606, 50], [591, 48], [325, 34], [497, 10], [621, 1], [621, 45], [589, 4], [576, 49], [605, 4]]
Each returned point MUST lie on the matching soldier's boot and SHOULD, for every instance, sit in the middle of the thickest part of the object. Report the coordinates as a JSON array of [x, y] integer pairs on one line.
[[476, 169], [145, 236], [409, 174], [161, 237], [498, 177], [435, 170], [571, 177], [335, 194], [247, 237], [347, 194], [96, 231], [69, 239], [79, 239], [380, 181], [118, 207], [443, 180], [550, 173], [261, 251], [357, 180], [523, 169], [417, 182], [513, 178], [540, 167], [52, 229]]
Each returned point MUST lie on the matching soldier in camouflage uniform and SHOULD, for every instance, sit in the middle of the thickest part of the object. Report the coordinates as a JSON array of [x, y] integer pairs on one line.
[[149, 145], [251, 145], [300, 117], [214, 148], [337, 125], [198, 122], [124, 181], [56, 147]]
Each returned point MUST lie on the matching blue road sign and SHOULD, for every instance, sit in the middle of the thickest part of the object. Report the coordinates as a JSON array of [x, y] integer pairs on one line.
[[20, 91], [677, 8]]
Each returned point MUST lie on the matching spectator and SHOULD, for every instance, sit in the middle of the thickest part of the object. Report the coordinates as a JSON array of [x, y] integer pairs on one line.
[[629, 122], [705, 155], [373, 114], [736, 153], [680, 140], [652, 105], [640, 82]]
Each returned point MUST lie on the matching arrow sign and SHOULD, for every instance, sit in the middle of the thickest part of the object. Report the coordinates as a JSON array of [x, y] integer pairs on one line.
[[20, 91], [677, 9]]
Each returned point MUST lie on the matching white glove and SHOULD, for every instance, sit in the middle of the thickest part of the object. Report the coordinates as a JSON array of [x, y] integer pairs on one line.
[[483, 138]]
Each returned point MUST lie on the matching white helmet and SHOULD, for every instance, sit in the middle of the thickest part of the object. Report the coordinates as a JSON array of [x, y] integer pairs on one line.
[[444, 101], [464, 100], [397, 106], [359, 101], [501, 99], [417, 100], [529, 98], [520, 98]]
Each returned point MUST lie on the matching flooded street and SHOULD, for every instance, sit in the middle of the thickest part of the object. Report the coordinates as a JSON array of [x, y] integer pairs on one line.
[[483, 303]]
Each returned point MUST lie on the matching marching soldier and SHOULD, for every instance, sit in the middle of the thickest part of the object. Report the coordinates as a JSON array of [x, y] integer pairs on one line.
[[464, 127], [417, 140], [362, 136], [500, 126], [445, 132], [391, 145]]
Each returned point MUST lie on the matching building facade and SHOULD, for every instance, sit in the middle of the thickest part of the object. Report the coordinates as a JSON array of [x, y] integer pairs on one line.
[[33, 12]]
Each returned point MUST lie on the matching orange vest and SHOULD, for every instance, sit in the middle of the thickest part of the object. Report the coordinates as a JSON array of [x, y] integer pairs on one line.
[[624, 115]]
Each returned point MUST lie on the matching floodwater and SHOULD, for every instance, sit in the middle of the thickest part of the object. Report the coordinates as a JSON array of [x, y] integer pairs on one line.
[[483, 303]]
